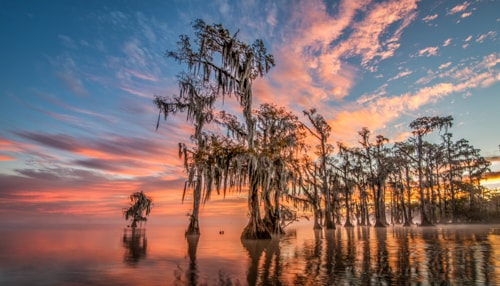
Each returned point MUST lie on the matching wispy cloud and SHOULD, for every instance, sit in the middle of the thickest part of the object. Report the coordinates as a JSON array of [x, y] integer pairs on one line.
[[447, 42], [429, 18], [465, 15], [67, 41], [458, 8], [118, 155], [489, 35], [445, 65], [313, 65], [428, 52], [400, 75], [378, 111]]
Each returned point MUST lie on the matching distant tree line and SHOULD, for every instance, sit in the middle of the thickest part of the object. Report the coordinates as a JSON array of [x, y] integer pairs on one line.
[[264, 152]]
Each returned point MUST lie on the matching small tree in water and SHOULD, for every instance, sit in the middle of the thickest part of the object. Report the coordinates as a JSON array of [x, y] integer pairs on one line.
[[140, 207]]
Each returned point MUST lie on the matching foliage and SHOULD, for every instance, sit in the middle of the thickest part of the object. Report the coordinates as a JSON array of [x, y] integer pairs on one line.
[[264, 151], [140, 207]]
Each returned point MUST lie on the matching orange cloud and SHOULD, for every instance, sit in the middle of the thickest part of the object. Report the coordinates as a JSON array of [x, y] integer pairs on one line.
[[6, 157], [311, 70], [459, 8]]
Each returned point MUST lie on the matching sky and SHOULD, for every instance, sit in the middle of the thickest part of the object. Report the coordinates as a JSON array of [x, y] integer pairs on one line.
[[78, 78]]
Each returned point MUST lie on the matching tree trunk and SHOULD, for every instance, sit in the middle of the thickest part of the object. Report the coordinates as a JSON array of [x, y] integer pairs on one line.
[[424, 221], [365, 218], [348, 211], [383, 216], [255, 229], [317, 210], [408, 192], [328, 209], [194, 227], [317, 218], [405, 214], [272, 217], [377, 192]]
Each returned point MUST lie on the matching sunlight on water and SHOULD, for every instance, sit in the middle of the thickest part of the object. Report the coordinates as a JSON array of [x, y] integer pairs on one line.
[[162, 255]]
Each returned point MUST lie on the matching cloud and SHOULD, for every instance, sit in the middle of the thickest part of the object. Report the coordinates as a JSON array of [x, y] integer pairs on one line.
[[4, 157], [378, 110], [102, 153], [465, 15], [429, 18], [445, 65], [73, 83], [67, 41], [145, 28], [137, 92], [483, 37], [57, 141], [369, 39], [142, 75], [72, 191], [379, 92], [458, 8], [69, 73], [135, 53], [447, 42], [400, 75], [314, 64], [429, 51], [72, 119], [118, 18]]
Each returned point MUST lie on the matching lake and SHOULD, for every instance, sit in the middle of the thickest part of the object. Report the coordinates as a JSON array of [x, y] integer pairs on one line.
[[161, 255]]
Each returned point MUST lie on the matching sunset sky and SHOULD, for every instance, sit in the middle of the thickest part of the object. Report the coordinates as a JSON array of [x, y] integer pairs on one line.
[[77, 80]]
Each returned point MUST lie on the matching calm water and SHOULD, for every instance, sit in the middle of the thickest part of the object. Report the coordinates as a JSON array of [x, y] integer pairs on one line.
[[161, 255]]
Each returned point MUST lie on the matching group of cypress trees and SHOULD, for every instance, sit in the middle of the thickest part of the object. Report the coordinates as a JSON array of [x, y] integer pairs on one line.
[[264, 152]]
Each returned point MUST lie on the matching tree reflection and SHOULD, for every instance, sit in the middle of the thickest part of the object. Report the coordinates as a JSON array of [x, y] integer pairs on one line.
[[362, 256], [395, 256], [382, 271], [255, 248], [403, 269], [313, 256], [192, 273], [135, 244]]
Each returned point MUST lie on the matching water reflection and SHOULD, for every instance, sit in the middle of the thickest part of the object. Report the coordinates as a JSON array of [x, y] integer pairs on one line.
[[192, 273], [374, 256], [135, 244], [442, 255]]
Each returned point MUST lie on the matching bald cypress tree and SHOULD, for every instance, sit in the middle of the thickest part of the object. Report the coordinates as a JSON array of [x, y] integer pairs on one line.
[[225, 66], [420, 128]]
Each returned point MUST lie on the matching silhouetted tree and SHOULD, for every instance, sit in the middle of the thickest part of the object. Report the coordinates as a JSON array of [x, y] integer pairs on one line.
[[229, 66], [308, 183], [421, 127], [197, 99], [403, 166], [140, 207], [321, 131], [347, 182], [279, 136], [376, 161]]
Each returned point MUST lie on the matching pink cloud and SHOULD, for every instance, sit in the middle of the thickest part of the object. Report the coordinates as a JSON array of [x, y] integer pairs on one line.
[[137, 92], [429, 51], [377, 112], [311, 71], [458, 8], [445, 65], [430, 18], [465, 15], [142, 75]]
